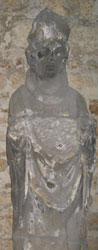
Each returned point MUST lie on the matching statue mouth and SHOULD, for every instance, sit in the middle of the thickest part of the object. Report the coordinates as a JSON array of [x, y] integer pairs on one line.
[[50, 68]]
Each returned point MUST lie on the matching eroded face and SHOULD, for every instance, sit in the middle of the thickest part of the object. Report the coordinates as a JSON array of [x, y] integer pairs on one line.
[[47, 58]]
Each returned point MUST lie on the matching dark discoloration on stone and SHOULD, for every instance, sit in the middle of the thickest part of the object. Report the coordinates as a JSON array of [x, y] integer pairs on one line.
[[3, 165], [94, 107], [93, 245], [50, 146], [93, 221]]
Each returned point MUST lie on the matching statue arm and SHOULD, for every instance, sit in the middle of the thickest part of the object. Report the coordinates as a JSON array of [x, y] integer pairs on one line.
[[15, 149], [88, 149], [88, 141]]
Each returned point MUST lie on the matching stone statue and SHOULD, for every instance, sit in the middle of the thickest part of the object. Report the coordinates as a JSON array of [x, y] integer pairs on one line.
[[50, 146]]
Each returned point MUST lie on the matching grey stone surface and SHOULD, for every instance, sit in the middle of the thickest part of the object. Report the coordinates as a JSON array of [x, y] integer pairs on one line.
[[50, 146]]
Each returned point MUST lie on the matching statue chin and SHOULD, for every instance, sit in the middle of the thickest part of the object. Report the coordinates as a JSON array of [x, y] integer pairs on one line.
[[48, 74]]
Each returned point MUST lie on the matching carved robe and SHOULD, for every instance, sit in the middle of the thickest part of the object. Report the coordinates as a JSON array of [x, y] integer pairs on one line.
[[51, 157]]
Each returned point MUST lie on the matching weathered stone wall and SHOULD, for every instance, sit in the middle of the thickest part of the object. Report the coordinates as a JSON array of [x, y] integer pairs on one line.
[[16, 17]]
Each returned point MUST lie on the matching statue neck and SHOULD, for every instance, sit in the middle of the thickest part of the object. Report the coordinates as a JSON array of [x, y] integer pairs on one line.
[[50, 86]]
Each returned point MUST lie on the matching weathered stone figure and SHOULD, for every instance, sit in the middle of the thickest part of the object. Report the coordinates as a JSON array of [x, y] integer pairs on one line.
[[50, 146]]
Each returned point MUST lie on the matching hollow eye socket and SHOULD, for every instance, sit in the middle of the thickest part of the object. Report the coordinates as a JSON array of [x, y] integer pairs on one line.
[[45, 52], [59, 52], [40, 55]]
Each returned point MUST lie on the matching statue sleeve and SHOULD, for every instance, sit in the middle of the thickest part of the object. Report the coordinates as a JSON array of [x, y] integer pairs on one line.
[[88, 142], [16, 157]]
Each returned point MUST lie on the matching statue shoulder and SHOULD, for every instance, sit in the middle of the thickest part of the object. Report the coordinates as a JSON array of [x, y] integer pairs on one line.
[[16, 103], [76, 102]]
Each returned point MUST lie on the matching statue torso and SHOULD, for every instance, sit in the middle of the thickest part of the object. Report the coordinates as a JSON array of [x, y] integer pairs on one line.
[[53, 155]]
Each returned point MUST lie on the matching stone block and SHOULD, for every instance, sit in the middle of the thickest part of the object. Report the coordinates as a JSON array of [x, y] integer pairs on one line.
[[6, 244], [93, 245], [79, 81], [74, 7], [93, 221], [3, 165], [2, 81]]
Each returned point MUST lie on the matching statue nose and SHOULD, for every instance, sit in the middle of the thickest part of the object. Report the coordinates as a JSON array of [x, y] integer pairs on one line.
[[52, 56], [52, 53]]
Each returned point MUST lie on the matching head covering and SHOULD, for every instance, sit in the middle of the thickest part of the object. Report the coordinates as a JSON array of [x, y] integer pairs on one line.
[[48, 25]]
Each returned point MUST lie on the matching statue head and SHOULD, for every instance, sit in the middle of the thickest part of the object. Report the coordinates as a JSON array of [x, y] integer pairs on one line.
[[48, 50]]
